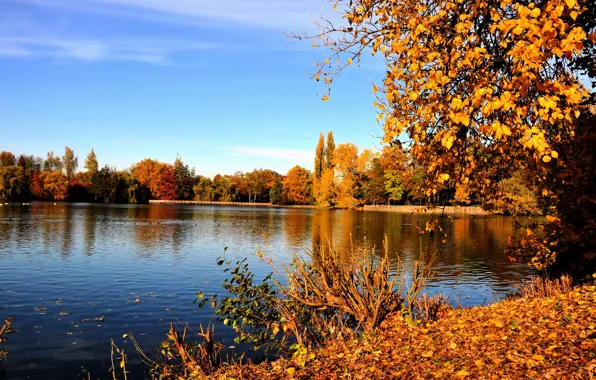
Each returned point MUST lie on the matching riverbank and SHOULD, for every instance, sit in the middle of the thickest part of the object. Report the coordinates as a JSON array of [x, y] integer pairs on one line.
[[446, 210], [226, 204], [529, 337]]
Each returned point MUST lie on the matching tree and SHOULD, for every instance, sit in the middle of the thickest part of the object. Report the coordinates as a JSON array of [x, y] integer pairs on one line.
[[375, 188], [52, 163], [70, 162], [203, 190], [297, 185], [105, 183], [345, 166], [54, 185], [517, 197], [276, 192], [480, 88], [320, 157], [156, 176], [7, 159], [12, 183], [394, 185], [184, 180], [326, 195], [329, 151], [91, 164]]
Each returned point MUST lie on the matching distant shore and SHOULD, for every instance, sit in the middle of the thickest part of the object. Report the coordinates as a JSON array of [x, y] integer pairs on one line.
[[231, 204], [447, 210]]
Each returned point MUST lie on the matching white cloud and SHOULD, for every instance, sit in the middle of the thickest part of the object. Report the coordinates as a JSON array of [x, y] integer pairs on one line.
[[278, 14], [296, 155], [94, 49]]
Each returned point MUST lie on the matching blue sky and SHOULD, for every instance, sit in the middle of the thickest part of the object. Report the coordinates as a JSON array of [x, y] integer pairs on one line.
[[215, 81]]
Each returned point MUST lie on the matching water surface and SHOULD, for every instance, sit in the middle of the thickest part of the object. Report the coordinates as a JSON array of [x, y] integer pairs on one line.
[[62, 266]]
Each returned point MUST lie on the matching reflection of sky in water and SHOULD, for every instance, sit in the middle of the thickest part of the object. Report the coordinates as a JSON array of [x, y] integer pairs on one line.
[[94, 260]]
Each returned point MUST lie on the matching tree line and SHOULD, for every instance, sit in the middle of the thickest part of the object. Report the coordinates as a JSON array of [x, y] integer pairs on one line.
[[343, 177]]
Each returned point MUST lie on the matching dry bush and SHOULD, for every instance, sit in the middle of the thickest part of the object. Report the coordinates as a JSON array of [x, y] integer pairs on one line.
[[428, 309], [356, 283], [540, 287], [184, 360]]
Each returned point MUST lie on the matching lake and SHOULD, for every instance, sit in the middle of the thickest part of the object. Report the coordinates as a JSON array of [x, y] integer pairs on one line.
[[138, 267]]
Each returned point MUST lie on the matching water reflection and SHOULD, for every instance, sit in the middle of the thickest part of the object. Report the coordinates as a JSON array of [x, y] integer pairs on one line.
[[97, 260]]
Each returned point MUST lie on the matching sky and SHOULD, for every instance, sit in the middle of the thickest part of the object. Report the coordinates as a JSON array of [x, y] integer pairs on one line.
[[216, 82]]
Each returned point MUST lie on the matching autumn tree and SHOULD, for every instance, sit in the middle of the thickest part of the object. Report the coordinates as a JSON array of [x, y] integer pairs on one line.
[[393, 185], [375, 192], [156, 176], [52, 163], [320, 166], [329, 151], [91, 164], [297, 185], [480, 88], [7, 159], [203, 190], [517, 196], [346, 169], [54, 185], [70, 162], [320, 157]]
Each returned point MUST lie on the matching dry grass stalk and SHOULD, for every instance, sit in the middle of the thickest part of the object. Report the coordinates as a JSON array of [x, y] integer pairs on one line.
[[429, 309], [540, 287], [185, 360], [360, 285], [122, 358], [4, 331]]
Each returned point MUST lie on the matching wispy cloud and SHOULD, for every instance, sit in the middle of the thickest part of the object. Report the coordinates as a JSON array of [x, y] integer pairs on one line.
[[278, 14], [95, 49], [296, 155]]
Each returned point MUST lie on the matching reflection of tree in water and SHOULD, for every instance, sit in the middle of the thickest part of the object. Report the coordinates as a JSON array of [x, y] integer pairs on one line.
[[68, 231], [296, 227], [474, 244], [90, 227]]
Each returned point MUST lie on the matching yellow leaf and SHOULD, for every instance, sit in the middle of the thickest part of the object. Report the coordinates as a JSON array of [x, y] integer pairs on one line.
[[453, 346], [291, 371], [428, 354], [546, 158], [554, 154], [462, 373], [538, 357], [349, 61], [325, 98]]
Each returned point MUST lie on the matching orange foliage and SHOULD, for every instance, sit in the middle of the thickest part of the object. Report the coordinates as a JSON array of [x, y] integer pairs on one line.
[[297, 185], [54, 185], [157, 176]]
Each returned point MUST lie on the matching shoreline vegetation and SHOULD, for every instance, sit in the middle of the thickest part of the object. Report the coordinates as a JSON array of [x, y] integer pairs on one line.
[[533, 336], [406, 209], [381, 326], [344, 177]]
